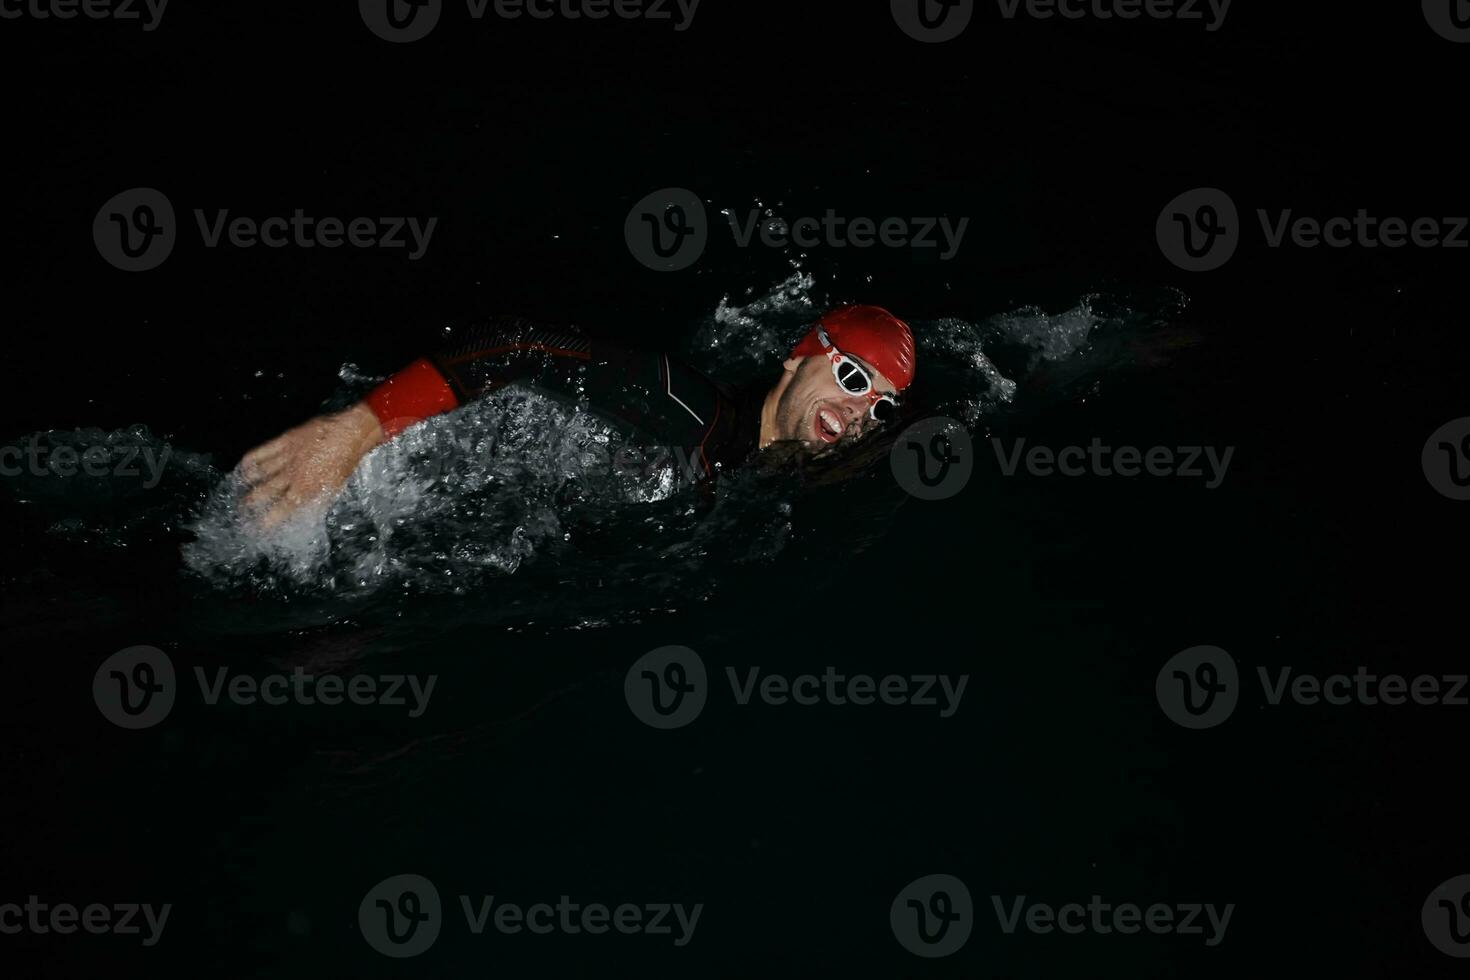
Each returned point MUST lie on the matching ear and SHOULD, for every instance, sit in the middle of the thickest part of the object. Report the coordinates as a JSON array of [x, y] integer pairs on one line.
[[791, 364]]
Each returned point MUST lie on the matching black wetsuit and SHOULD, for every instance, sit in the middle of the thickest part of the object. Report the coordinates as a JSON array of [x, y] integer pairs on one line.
[[653, 399]]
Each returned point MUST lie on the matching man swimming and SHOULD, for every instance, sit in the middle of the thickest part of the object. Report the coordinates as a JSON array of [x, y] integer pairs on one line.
[[841, 381]]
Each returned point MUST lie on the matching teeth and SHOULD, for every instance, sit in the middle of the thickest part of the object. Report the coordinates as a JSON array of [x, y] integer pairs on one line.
[[830, 421]]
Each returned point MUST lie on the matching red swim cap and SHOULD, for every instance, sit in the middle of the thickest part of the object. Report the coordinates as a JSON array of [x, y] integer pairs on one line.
[[868, 332]]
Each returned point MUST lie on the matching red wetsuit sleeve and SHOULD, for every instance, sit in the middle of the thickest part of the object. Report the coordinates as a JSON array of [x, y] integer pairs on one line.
[[417, 392]]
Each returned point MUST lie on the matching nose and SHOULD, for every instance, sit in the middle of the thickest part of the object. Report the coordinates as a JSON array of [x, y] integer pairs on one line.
[[854, 407]]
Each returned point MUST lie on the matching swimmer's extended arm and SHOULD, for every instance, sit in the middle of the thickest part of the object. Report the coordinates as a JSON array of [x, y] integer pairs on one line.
[[662, 402], [312, 461]]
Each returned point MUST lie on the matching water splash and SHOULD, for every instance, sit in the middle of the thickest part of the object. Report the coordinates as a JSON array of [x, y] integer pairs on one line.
[[740, 342], [975, 370], [517, 488], [113, 488], [447, 505]]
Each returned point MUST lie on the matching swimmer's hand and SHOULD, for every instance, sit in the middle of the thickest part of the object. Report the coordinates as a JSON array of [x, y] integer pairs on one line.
[[307, 464]]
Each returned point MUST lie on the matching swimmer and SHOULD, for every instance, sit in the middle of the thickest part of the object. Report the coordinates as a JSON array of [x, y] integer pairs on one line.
[[841, 381]]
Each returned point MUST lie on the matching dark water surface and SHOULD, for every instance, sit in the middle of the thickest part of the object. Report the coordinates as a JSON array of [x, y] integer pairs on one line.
[[528, 777]]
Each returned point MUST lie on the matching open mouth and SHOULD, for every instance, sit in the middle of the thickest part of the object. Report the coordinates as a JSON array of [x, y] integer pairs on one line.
[[828, 425]]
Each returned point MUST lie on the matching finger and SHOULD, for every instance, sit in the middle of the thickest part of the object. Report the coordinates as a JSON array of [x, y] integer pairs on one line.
[[267, 448], [288, 506], [277, 514], [266, 494], [263, 452], [262, 470]]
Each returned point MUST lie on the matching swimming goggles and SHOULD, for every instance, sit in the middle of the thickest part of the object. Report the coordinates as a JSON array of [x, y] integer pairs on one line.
[[854, 379]]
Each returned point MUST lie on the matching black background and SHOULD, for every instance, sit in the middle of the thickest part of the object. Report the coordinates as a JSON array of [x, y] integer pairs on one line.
[[1061, 141]]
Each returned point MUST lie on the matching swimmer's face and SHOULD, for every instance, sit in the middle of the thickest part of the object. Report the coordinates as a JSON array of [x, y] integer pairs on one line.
[[814, 410]]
